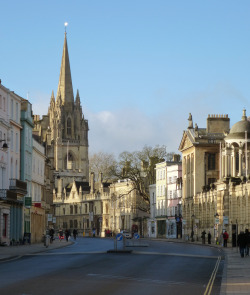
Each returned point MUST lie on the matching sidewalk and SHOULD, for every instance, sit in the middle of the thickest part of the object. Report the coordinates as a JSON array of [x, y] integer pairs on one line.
[[236, 274], [14, 252]]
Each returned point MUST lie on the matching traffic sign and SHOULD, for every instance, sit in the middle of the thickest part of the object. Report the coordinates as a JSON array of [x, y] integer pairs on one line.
[[119, 237], [136, 236]]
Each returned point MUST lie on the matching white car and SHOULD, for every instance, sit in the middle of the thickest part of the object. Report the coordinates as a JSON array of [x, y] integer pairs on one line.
[[126, 234]]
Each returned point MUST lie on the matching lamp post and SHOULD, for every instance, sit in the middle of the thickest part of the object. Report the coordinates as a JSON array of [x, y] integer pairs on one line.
[[192, 232], [216, 216]]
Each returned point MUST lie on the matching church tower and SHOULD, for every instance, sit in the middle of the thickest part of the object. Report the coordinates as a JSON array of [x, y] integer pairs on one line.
[[64, 131]]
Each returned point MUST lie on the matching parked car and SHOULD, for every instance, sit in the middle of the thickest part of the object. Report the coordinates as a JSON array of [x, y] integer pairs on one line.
[[126, 234]]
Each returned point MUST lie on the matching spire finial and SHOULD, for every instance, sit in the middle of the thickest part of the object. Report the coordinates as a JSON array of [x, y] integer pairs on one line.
[[65, 26]]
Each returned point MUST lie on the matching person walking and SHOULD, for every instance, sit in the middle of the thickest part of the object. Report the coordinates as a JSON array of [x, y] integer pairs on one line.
[[225, 238], [209, 237], [51, 233], [60, 234], [241, 241], [203, 237], [247, 234], [74, 233], [67, 234]]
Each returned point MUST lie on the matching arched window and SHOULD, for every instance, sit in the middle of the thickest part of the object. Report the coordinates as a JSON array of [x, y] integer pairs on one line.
[[68, 126]]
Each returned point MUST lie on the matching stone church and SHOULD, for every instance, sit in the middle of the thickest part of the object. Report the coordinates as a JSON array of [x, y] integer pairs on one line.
[[64, 133]]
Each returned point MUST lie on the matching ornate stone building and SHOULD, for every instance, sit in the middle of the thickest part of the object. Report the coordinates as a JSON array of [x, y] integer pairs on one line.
[[200, 149], [216, 187], [64, 133]]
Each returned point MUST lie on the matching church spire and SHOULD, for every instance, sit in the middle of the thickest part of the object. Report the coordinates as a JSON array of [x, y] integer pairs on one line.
[[65, 87]]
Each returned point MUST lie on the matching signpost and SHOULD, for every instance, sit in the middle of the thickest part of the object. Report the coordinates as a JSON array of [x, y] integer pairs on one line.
[[136, 236], [118, 237]]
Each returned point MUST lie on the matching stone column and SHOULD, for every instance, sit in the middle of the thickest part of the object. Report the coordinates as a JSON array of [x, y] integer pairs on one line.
[[240, 161]]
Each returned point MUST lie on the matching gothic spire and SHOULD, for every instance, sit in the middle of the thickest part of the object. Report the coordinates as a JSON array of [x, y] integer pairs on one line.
[[65, 87]]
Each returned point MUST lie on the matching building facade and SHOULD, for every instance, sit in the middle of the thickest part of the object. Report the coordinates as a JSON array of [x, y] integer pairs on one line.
[[64, 132], [201, 165]]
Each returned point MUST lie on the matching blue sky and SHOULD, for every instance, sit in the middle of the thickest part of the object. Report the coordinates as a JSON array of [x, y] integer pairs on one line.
[[140, 66]]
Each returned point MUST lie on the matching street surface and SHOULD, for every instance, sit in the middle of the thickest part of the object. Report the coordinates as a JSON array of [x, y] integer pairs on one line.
[[86, 268]]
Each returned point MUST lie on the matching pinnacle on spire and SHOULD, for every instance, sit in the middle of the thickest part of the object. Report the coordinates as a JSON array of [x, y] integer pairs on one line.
[[52, 99], [77, 95], [65, 82]]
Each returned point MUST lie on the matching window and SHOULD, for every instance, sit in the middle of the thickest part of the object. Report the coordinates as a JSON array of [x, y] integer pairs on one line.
[[107, 223], [68, 126], [63, 211], [211, 161], [4, 104], [75, 209], [12, 109], [11, 140], [71, 209], [17, 143], [75, 223], [17, 111], [86, 208], [71, 223], [0, 101]]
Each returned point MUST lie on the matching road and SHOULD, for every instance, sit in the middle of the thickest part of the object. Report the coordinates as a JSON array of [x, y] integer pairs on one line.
[[87, 268]]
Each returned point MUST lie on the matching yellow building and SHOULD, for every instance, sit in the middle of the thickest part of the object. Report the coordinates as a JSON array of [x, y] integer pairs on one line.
[[200, 149]]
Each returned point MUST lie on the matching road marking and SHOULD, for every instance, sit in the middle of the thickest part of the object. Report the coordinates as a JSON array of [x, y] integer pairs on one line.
[[176, 254], [135, 279], [211, 281]]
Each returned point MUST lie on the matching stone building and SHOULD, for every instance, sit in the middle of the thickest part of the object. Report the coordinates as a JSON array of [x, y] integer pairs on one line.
[[128, 209], [64, 133], [83, 206], [200, 149], [216, 187]]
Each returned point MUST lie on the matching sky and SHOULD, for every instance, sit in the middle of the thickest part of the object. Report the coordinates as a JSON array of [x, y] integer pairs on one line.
[[140, 66]]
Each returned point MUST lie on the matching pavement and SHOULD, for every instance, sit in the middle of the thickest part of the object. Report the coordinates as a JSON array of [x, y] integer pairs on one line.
[[236, 273], [8, 253]]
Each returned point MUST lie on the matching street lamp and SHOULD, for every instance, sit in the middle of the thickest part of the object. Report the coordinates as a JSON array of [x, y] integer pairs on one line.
[[192, 232], [216, 216]]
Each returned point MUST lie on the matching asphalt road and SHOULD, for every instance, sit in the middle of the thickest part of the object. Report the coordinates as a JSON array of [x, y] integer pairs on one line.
[[87, 268]]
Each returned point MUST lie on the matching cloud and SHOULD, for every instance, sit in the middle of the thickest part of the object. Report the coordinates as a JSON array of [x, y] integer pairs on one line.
[[129, 130]]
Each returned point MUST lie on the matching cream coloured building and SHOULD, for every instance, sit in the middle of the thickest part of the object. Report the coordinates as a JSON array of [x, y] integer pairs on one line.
[[127, 208], [216, 177], [200, 149]]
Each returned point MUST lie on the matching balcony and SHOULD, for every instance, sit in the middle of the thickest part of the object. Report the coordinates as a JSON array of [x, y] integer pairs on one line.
[[8, 195], [18, 186]]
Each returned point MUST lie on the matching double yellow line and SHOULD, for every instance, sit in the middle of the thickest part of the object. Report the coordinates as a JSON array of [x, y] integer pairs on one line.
[[211, 281]]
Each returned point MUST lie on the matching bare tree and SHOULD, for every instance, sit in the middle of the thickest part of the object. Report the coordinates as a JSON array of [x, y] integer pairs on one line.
[[139, 168], [102, 163]]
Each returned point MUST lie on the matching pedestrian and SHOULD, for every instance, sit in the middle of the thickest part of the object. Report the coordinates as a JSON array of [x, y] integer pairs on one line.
[[67, 234], [241, 241], [203, 237], [61, 234], [51, 233], [209, 237], [247, 234], [192, 236], [74, 233], [225, 238]]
